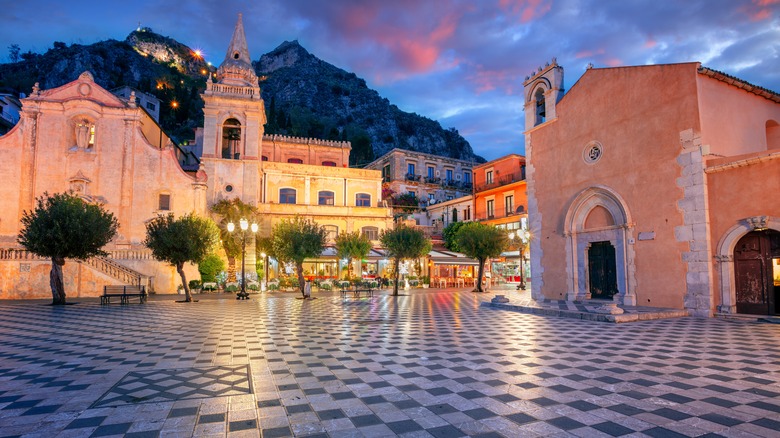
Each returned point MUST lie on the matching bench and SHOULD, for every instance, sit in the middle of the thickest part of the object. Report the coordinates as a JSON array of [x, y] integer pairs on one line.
[[369, 292], [124, 293]]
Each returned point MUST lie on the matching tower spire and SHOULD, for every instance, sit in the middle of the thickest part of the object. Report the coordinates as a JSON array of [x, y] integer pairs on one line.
[[237, 68]]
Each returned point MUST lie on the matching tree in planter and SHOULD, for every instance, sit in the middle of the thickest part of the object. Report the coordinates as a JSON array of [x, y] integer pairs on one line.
[[178, 241], [65, 226], [448, 235], [232, 210], [404, 243], [295, 240], [480, 241], [352, 246]]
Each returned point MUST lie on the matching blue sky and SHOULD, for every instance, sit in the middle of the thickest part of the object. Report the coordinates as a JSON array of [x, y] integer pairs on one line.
[[459, 62]]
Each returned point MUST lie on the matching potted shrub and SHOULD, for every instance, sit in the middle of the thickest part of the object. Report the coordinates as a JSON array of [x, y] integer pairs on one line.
[[195, 286], [426, 281]]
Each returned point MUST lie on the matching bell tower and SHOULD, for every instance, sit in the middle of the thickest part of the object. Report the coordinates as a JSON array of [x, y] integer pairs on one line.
[[234, 112], [233, 126], [542, 91]]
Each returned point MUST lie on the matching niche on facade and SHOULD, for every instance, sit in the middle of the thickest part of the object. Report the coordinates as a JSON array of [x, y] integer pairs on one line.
[[79, 186], [772, 135], [82, 130]]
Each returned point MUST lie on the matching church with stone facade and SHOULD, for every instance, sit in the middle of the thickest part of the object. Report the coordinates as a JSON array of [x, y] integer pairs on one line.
[[654, 186], [79, 137]]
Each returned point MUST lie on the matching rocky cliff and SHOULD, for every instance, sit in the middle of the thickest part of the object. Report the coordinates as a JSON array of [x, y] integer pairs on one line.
[[304, 95]]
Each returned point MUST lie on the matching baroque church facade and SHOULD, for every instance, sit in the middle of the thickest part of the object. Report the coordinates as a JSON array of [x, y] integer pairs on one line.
[[81, 138], [654, 186]]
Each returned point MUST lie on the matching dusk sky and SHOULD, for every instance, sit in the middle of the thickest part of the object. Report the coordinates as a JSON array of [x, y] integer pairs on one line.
[[459, 62]]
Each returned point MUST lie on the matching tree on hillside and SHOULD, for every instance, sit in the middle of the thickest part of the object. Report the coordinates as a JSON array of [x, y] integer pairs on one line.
[[65, 226], [404, 243], [448, 235], [481, 241], [352, 246], [178, 241], [232, 210], [295, 240]]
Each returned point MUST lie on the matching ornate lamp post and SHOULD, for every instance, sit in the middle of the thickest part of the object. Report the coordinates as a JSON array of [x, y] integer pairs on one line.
[[244, 224]]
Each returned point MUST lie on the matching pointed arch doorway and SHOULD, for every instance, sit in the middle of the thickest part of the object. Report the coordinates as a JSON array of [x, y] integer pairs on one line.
[[599, 258]]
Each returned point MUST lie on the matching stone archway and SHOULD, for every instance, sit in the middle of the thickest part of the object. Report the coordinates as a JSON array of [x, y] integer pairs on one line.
[[725, 257], [599, 215]]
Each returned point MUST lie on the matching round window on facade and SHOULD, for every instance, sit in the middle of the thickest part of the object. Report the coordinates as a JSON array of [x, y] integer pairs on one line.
[[592, 152], [228, 188]]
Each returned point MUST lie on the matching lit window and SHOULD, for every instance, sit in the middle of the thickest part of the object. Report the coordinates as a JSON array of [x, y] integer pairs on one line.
[[164, 202], [372, 233], [363, 200], [287, 196], [326, 198]]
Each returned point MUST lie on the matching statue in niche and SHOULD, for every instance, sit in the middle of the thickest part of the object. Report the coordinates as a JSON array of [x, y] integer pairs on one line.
[[82, 134]]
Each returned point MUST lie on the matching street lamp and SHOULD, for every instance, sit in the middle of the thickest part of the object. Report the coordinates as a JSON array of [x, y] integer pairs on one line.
[[265, 269], [244, 224]]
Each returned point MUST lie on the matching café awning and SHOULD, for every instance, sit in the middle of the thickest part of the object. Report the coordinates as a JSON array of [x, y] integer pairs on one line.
[[440, 257]]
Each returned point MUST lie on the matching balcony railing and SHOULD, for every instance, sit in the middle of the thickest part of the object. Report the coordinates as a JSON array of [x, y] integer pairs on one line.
[[502, 180]]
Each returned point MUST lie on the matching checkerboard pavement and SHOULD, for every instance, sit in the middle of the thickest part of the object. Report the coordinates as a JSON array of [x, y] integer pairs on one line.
[[430, 364]]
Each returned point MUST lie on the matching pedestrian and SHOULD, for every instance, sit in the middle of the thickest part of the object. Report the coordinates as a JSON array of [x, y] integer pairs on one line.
[[307, 289]]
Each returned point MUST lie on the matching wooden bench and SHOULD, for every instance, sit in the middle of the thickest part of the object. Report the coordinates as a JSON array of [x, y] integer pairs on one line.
[[124, 293], [369, 292]]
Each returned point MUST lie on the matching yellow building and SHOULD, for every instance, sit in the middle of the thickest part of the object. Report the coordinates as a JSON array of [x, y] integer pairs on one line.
[[80, 137]]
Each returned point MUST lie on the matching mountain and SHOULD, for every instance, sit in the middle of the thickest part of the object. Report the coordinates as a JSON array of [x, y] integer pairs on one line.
[[309, 97], [304, 96]]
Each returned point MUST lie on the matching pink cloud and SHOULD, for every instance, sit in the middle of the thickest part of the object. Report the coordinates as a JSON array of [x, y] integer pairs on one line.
[[760, 10], [588, 53], [528, 10]]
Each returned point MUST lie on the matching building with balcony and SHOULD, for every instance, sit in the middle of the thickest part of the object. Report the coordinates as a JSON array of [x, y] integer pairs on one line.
[[425, 177], [500, 200], [82, 138]]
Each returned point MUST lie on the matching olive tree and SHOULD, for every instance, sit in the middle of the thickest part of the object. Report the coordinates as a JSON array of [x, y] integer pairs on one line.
[[352, 246], [65, 226], [404, 243], [448, 235], [295, 240], [189, 238], [480, 241]]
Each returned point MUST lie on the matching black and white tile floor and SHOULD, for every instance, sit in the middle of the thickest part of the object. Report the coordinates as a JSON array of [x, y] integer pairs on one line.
[[433, 363]]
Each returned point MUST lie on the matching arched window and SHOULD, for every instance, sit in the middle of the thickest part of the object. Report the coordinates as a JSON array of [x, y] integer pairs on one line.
[[326, 198], [265, 158], [772, 135], [287, 196], [231, 139], [332, 231], [454, 214], [363, 200], [329, 163], [295, 160], [372, 233], [540, 111]]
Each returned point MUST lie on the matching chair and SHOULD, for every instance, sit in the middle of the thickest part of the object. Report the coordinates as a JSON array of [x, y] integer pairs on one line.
[[442, 283]]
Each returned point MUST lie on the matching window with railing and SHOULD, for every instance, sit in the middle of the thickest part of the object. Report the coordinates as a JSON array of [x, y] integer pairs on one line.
[[326, 198], [410, 168], [371, 233], [509, 204], [467, 177], [331, 232], [449, 175], [489, 207], [489, 177], [431, 172], [363, 200], [287, 196]]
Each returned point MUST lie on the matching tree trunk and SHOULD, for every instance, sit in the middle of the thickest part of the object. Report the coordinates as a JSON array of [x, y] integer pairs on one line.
[[301, 280], [56, 281], [180, 270], [395, 283], [231, 270], [480, 272]]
